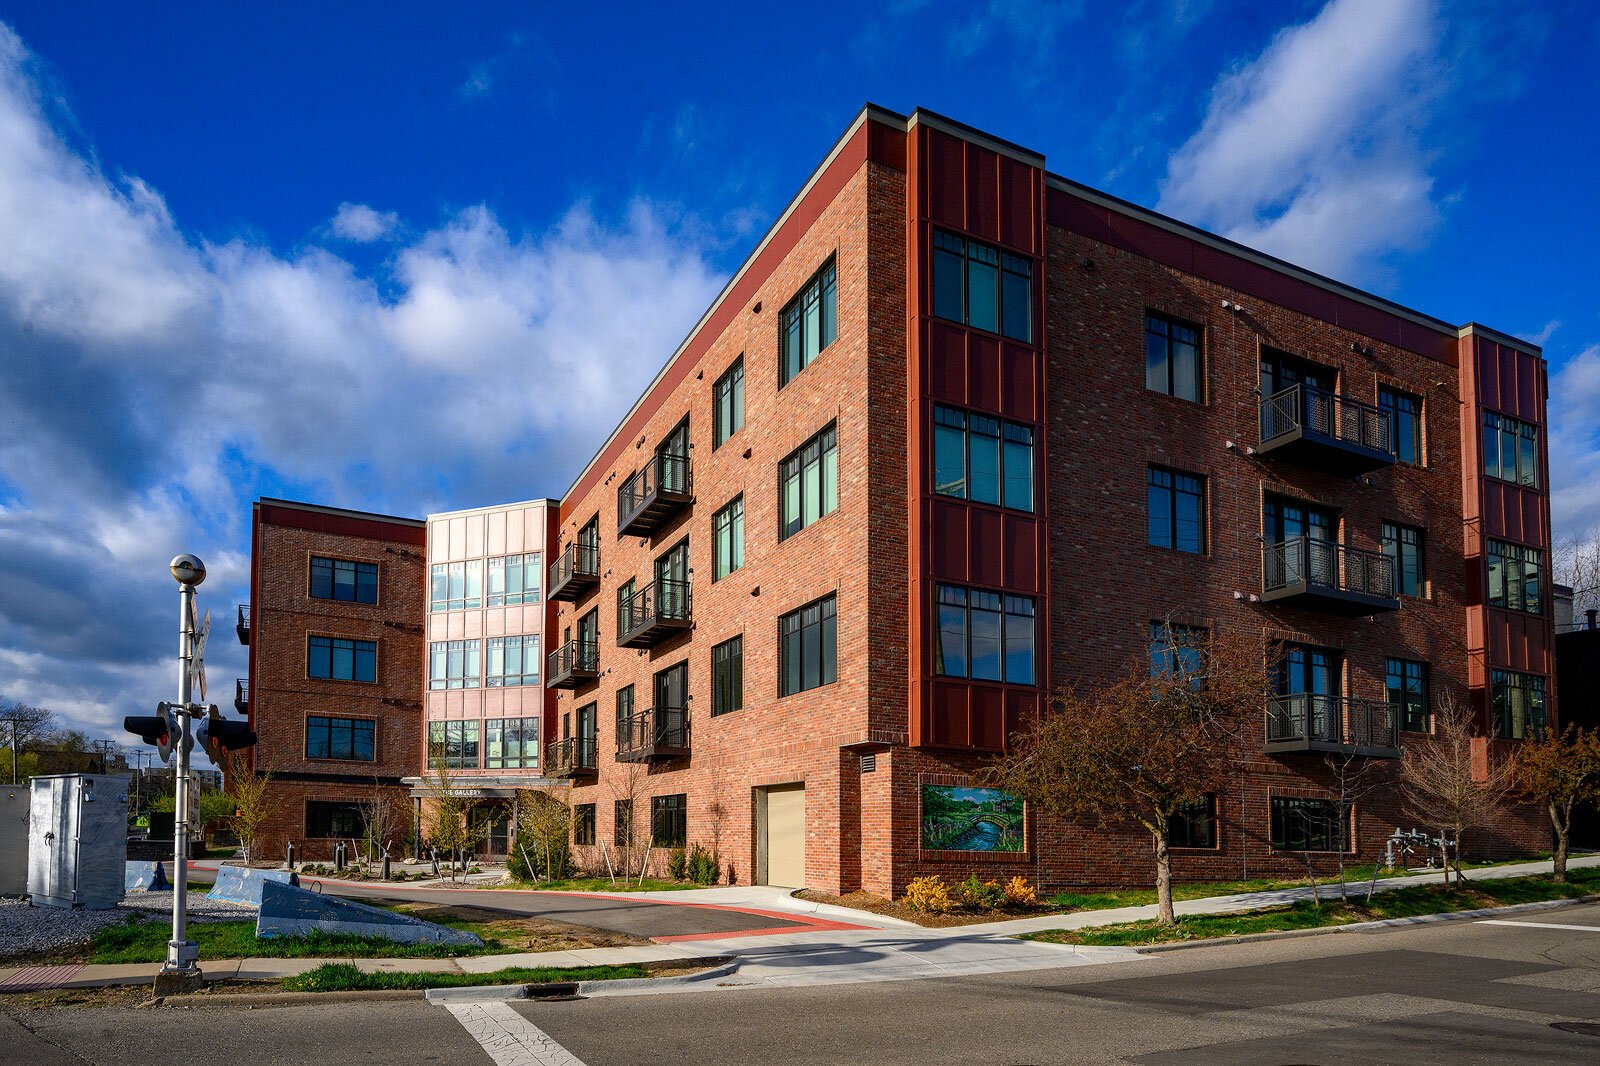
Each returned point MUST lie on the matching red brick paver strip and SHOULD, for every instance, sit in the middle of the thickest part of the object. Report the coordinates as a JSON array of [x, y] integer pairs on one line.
[[36, 977]]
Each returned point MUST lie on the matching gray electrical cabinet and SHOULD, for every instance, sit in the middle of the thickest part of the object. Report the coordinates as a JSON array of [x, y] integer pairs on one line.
[[13, 840], [78, 840]]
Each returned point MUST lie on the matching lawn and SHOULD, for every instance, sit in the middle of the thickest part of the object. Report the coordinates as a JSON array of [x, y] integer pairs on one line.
[[1396, 903], [598, 884], [343, 977]]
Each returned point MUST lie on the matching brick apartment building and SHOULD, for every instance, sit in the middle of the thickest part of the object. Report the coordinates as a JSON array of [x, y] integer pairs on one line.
[[335, 631], [960, 430]]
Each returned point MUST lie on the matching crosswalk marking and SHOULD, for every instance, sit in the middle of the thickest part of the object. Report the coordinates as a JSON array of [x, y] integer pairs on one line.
[[508, 1038], [1542, 925]]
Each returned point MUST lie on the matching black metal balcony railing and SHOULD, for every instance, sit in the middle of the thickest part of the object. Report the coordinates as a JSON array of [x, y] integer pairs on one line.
[[1311, 722], [1327, 430], [653, 733], [654, 492], [575, 663], [242, 627], [653, 613], [572, 757], [1328, 576], [241, 695], [575, 572]]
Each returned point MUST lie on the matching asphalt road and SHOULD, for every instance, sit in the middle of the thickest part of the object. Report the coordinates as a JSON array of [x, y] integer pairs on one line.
[[1455, 993]]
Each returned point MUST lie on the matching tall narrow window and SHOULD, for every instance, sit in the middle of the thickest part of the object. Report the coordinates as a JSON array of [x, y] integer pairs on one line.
[[1172, 360], [727, 402], [727, 527], [1516, 577], [583, 824], [344, 579], [337, 659], [1510, 449], [622, 823], [808, 483], [1177, 510], [624, 711], [1406, 685], [514, 579], [983, 287], [1405, 413], [669, 820], [982, 458], [809, 323], [1403, 546], [986, 636], [1517, 704], [808, 647], [727, 676]]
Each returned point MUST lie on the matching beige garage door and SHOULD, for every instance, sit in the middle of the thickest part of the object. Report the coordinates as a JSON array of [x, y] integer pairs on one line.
[[786, 836]]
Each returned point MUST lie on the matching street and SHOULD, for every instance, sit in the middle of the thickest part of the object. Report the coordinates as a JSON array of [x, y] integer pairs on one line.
[[1456, 992]]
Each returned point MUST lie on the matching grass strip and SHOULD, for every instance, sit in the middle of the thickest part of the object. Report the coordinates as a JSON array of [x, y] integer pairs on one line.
[[599, 884], [1396, 903], [146, 941], [343, 977]]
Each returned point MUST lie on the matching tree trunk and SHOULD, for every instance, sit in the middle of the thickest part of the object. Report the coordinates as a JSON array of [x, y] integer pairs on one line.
[[1164, 915], [1562, 826]]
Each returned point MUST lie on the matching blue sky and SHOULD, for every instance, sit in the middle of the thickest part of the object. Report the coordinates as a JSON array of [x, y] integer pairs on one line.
[[349, 256]]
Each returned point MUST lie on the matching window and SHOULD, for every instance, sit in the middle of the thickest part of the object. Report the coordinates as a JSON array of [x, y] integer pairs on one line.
[[337, 659], [511, 743], [1406, 684], [1310, 824], [727, 403], [727, 676], [454, 663], [1517, 704], [513, 661], [808, 647], [982, 287], [1172, 362], [809, 323], [622, 823], [1514, 574], [1405, 412], [1175, 651], [1403, 546], [339, 738], [669, 820], [727, 527], [583, 824], [981, 458], [454, 744], [455, 586], [339, 821], [514, 579], [987, 636], [808, 482], [1194, 825], [344, 579], [1177, 510], [1510, 449], [625, 593], [624, 711]]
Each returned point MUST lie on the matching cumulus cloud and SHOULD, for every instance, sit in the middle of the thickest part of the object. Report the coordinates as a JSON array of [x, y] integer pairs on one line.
[[362, 224], [1575, 445], [155, 383]]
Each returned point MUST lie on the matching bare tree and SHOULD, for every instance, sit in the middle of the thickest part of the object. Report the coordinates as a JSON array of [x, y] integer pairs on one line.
[[23, 725], [627, 782], [452, 828], [1560, 770], [1576, 563], [251, 807], [1355, 777], [1451, 790], [384, 818]]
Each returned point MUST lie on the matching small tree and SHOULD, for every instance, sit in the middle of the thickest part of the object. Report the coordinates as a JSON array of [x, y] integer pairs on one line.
[[1355, 777], [627, 783], [1143, 746], [544, 823], [383, 817], [452, 828], [1560, 770], [251, 808], [1446, 787]]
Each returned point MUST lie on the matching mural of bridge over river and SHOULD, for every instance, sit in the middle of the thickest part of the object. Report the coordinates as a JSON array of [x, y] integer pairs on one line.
[[970, 819]]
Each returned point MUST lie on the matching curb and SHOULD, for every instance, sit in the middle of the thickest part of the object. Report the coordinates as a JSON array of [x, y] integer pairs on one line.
[[283, 999], [721, 966]]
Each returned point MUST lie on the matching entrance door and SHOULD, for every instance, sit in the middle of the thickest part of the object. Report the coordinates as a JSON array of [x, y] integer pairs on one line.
[[785, 837]]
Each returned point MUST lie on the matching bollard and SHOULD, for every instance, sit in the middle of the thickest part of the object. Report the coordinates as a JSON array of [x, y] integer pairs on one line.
[[433, 855], [386, 866], [339, 857], [290, 863]]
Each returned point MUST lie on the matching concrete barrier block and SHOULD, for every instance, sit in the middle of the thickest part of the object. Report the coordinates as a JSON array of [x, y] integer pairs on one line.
[[241, 884], [291, 911], [146, 877]]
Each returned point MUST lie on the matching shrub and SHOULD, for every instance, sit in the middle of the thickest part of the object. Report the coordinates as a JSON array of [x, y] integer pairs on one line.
[[703, 866], [1021, 894], [930, 895], [678, 864], [981, 895]]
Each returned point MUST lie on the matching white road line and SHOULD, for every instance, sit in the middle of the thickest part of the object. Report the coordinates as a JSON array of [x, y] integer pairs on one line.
[[508, 1038], [1542, 925]]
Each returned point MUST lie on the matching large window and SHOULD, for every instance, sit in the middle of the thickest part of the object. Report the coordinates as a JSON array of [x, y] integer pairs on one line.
[[344, 579], [1406, 685], [669, 820], [808, 482], [583, 824], [727, 544], [987, 636], [455, 586], [1405, 410], [511, 743], [727, 676], [622, 823], [340, 738], [338, 821], [1403, 546], [453, 744], [976, 457], [727, 403], [982, 287], [337, 659], [514, 579], [1177, 651], [513, 661], [1510, 449], [1172, 359], [809, 323], [1518, 705], [1514, 577], [1177, 510], [1309, 824], [808, 647], [1194, 825], [454, 663]]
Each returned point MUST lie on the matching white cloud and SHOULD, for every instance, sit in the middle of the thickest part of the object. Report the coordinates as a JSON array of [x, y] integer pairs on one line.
[[360, 223], [1312, 151], [1575, 445]]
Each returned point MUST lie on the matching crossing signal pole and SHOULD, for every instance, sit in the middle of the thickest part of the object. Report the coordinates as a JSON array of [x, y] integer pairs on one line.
[[181, 971]]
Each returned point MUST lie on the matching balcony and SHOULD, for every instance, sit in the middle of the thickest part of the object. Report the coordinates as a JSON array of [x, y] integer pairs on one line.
[[657, 612], [1308, 723], [654, 493], [241, 695], [575, 573], [1324, 576], [1323, 429], [242, 627], [653, 733], [573, 757], [577, 662]]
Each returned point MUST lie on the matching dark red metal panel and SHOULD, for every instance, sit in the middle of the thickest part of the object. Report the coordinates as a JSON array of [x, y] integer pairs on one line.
[[1019, 377], [983, 193], [947, 363], [985, 564], [988, 721], [948, 550], [1020, 551], [983, 372], [946, 185]]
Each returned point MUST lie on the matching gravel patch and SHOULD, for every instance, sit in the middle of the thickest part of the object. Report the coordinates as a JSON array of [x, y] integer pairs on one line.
[[29, 930]]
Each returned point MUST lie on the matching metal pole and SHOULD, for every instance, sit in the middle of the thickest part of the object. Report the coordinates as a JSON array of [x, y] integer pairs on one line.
[[182, 955], [13, 751]]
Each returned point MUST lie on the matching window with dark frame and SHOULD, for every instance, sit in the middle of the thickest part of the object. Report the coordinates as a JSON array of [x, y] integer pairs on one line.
[[583, 824], [981, 286], [1173, 360], [808, 324], [338, 659], [808, 647], [1406, 687], [669, 820], [454, 743], [1177, 510], [1517, 703], [1299, 824], [1404, 547], [343, 579], [350, 739], [1510, 449], [808, 483], [1194, 825], [1516, 577], [624, 710], [1405, 410], [454, 664], [325, 820], [727, 676], [622, 823], [727, 540], [1176, 651], [985, 635], [982, 458], [510, 743], [727, 404]]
